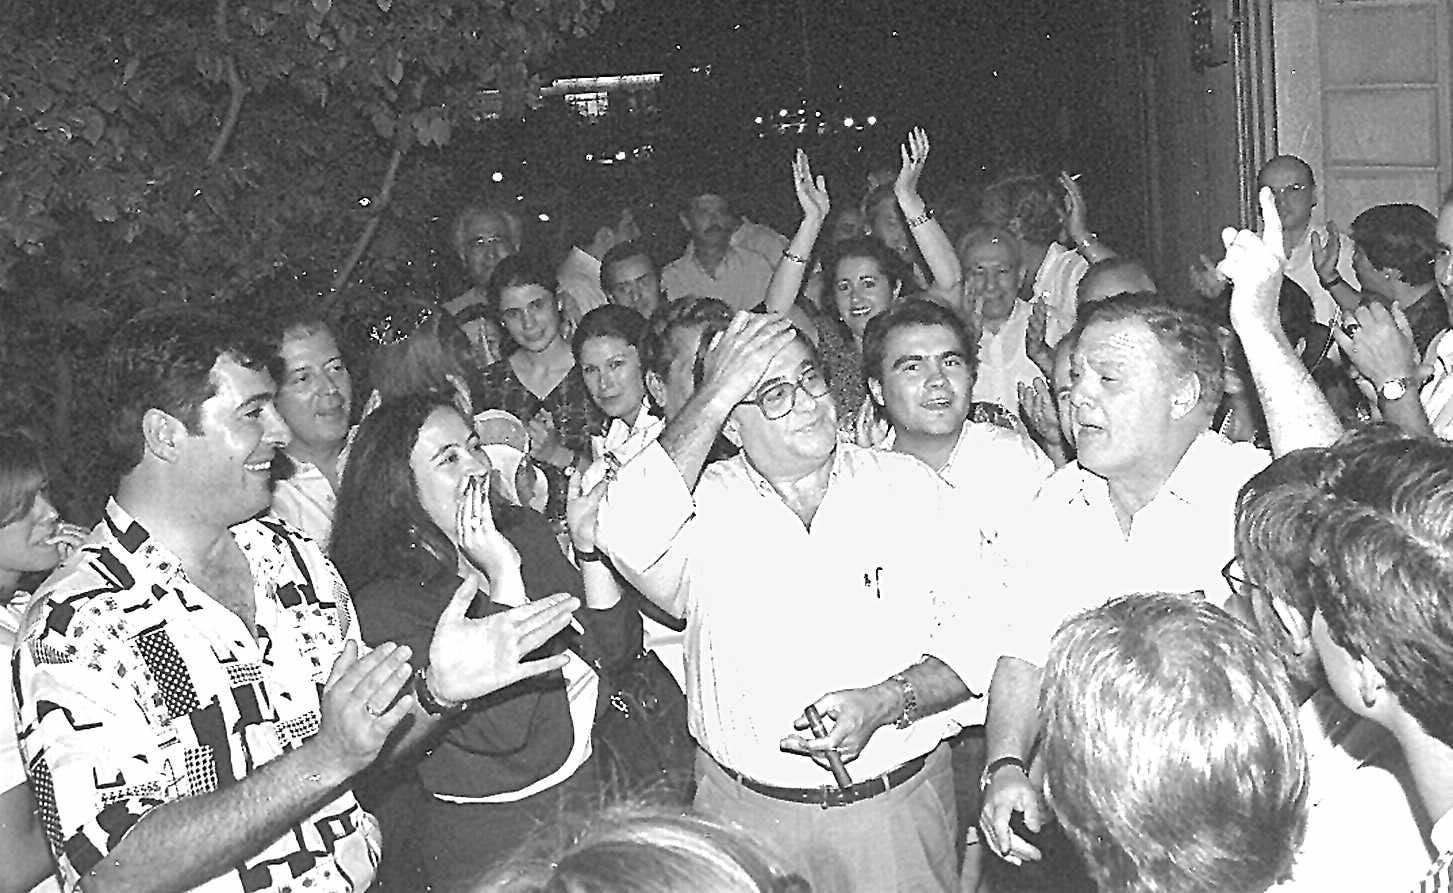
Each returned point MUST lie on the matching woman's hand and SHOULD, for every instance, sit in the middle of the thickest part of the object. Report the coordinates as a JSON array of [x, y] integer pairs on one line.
[[477, 537], [581, 509], [1075, 214], [811, 191], [469, 658], [67, 538], [545, 445], [914, 153]]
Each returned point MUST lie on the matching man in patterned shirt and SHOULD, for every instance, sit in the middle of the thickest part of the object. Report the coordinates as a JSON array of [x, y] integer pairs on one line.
[[192, 698]]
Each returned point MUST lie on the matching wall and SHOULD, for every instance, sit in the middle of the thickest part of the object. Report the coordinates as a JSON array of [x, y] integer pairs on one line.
[[1362, 93]]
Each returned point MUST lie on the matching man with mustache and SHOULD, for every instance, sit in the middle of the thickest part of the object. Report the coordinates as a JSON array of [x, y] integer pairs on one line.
[[715, 264]]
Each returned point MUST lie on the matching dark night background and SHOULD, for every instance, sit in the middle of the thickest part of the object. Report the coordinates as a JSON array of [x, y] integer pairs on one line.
[[995, 82]]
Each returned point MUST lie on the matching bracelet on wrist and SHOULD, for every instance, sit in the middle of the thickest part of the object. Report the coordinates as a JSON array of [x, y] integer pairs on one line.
[[909, 694], [1087, 241], [921, 219], [592, 555], [428, 701], [995, 765], [795, 258], [1333, 282]]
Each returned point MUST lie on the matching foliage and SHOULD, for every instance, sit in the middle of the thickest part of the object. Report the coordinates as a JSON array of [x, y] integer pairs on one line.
[[258, 152]]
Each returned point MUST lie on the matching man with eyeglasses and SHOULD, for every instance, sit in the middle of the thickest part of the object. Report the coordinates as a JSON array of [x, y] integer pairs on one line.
[[483, 235], [809, 572], [1317, 258], [1355, 803]]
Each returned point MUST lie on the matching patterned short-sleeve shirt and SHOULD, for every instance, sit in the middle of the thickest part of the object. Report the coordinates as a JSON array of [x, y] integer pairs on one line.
[[135, 689]]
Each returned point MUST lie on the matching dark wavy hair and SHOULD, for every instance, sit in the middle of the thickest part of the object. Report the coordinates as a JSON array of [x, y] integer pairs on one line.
[[1028, 204], [1400, 236], [657, 347], [163, 359], [914, 312], [609, 321], [380, 528]]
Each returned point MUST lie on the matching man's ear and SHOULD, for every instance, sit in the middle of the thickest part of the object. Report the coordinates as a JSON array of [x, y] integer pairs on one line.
[[1187, 395], [161, 434], [656, 388], [875, 388]]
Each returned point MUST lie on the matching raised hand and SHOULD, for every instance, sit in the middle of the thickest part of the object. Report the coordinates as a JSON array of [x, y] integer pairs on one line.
[[739, 356], [581, 509], [1040, 411], [1380, 344], [1207, 281], [471, 657], [1254, 265], [363, 700], [914, 154], [811, 191], [1075, 214], [1036, 347], [1326, 252], [475, 532]]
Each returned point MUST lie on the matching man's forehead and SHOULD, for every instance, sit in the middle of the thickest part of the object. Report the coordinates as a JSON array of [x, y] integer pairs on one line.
[[1285, 172], [235, 383], [787, 363], [488, 223], [925, 340], [1118, 338], [631, 266]]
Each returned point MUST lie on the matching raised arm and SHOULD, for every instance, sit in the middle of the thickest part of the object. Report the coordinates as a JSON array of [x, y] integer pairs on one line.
[[1076, 218], [1380, 344], [1326, 257], [1297, 414], [812, 196], [734, 367], [933, 243]]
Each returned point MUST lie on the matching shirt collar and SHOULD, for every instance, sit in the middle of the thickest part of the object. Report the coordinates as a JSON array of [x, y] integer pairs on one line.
[[1188, 481], [134, 539], [765, 487]]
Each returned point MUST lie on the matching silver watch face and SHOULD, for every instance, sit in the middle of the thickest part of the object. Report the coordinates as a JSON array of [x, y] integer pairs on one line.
[[1394, 390]]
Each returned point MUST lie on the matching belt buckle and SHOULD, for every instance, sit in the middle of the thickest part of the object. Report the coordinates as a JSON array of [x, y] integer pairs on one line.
[[832, 796]]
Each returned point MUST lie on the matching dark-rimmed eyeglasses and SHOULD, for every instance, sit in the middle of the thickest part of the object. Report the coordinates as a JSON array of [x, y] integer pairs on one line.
[[777, 400]]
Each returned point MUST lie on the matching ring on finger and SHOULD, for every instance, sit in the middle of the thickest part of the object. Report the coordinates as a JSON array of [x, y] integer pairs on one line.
[[372, 710], [1351, 327]]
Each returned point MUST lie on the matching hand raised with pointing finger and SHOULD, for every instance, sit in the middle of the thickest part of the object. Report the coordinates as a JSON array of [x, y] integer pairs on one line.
[[1254, 265]]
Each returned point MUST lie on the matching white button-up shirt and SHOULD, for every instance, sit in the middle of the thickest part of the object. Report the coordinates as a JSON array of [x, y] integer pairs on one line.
[[1071, 554], [740, 280], [779, 614]]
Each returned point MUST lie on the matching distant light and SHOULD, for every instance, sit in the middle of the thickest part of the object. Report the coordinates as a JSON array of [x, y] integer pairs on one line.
[[621, 155], [758, 119], [849, 122], [364, 202], [498, 176], [544, 218], [872, 120], [995, 72], [519, 198], [781, 113], [589, 156]]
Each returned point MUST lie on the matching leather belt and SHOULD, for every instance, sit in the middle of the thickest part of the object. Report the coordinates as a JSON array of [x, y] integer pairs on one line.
[[828, 795]]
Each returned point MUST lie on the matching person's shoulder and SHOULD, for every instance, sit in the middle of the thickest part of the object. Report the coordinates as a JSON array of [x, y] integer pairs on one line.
[[1218, 455], [1063, 486], [887, 468]]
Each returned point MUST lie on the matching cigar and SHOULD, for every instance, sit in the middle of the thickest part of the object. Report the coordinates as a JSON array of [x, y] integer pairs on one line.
[[834, 759]]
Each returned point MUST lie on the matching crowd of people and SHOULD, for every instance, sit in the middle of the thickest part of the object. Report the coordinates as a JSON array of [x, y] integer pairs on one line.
[[917, 551]]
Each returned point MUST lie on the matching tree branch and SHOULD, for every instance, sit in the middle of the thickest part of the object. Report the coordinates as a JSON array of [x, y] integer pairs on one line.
[[402, 139], [380, 203], [234, 83]]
